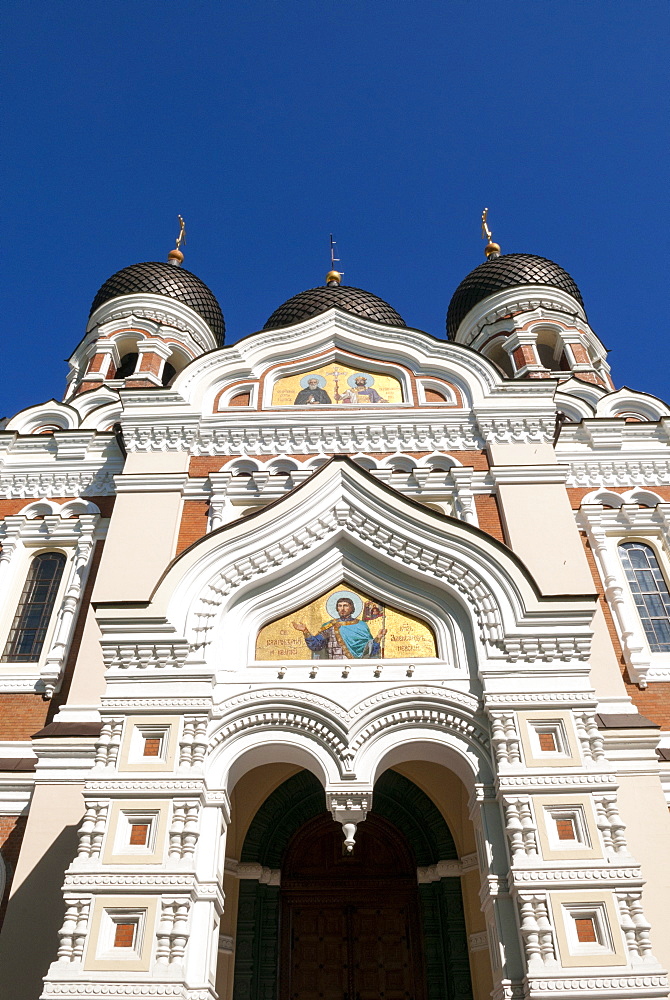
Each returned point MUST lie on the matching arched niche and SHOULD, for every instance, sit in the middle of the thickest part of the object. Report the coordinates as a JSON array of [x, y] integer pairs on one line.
[[296, 808], [284, 596], [345, 623]]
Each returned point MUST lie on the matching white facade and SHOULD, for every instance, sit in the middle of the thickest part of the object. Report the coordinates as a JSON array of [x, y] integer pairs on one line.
[[476, 514]]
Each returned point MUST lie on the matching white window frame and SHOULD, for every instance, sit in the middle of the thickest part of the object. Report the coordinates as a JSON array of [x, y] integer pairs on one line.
[[606, 529], [24, 536]]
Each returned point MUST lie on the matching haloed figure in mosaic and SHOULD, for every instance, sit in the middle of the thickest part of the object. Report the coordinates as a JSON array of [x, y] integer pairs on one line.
[[347, 634], [312, 391]]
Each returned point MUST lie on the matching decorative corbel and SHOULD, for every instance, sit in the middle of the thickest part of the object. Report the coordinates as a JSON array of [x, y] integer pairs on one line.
[[349, 808]]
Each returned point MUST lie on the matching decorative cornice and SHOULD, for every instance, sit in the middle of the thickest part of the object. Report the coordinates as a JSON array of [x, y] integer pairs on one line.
[[569, 782], [154, 786], [555, 699], [115, 990], [155, 704], [559, 877], [614, 985], [78, 482]]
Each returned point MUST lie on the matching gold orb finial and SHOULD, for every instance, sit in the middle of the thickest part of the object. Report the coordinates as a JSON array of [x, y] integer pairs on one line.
[[491, 249], [175, 257], [333, 279]]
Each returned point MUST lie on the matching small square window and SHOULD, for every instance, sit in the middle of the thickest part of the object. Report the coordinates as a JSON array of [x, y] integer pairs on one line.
[[565, 829], [152, 746], [124, 935], [139, 834], [549, 738], [586, 930], [547, 742]]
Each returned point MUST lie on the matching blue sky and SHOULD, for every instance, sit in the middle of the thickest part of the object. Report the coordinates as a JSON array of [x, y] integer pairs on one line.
[[270, 124]]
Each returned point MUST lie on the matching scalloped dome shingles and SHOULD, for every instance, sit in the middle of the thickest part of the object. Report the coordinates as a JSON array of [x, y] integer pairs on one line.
[[508, 271], [161, 278], [313, 301]]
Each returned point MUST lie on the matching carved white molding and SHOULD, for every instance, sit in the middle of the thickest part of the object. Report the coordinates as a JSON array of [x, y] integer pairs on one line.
[[144, 656], [51, 673], [193, 741], [627, 472], [108, 743], [411, 549], [478, 941], [505, 739], [148, 705], [72, 935], [612, 827], [252, 871], [520, 829], [649, 987], [226, 944], [92, 830], [636, 929], [349, 808], [567, 782], [112, 991], [69, 483], [438, 871], [172, 932], [131, 786], [184, 830], [590, 738], [537, 932], [583, 877], [95, 880], [345, 735]]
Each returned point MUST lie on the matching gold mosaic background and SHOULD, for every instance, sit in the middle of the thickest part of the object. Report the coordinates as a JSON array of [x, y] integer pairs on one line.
[[286, 389], [406, 636]]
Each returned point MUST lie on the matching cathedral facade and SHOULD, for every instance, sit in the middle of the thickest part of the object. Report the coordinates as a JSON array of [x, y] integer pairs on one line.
[[336, 662]]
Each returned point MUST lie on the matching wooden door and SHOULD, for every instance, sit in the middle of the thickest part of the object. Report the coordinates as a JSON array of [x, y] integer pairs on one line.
[[350, 925]]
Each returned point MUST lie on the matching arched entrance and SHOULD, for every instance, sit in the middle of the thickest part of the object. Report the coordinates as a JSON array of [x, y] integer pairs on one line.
[[417, 827], [350, 925]]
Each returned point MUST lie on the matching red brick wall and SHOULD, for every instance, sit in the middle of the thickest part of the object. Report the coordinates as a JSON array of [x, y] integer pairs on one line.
[[193, 523], [12, 829], [653, 701], [150, 362], [489, 516], [21, 715]]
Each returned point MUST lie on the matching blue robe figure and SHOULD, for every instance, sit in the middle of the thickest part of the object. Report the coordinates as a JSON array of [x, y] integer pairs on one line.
[[342, 638]]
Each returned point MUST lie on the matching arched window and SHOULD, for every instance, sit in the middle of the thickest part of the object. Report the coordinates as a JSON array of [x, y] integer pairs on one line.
[[650, 593], [169, 374], [33, 614], [127, 365]]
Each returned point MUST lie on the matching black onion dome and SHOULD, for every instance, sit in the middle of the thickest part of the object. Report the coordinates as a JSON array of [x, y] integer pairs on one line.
[[160, 278], [507, 271], [319, 300]]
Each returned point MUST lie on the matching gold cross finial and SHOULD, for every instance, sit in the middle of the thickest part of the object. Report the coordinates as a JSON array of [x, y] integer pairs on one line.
[[181, 239], [175, 256], [491, 249], [333, 278]]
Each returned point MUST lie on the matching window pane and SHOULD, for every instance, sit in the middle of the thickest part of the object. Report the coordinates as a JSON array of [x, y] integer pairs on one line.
[[650, 593], [33, 613]]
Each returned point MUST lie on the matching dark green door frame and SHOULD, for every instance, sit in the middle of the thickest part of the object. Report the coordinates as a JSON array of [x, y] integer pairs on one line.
[[402, 803]]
